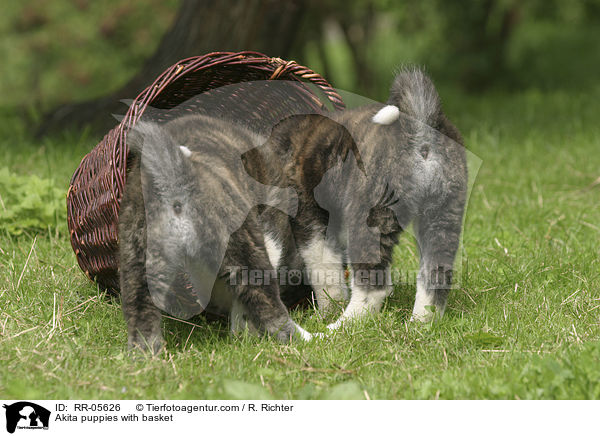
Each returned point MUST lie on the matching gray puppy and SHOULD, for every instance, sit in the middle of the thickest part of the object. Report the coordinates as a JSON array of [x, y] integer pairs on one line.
[[190, 210], [408, 165]]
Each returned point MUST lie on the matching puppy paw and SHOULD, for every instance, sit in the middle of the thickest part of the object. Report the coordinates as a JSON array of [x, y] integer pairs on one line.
[[425, 314], [303, 334], [335, 325], [150, 346]]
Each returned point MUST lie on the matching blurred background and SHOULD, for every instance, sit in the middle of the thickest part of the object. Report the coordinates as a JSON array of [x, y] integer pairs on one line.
[[67, 63]]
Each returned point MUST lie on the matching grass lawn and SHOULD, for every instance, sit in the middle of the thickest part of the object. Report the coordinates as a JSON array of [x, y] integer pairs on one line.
[[524, 323]]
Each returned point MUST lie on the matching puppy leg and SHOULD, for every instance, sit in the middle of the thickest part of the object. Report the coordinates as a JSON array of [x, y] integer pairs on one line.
[[143, 318], [370, 287], [438, 236], [239, 319], [326, 271], [257, 292], [370, 282]]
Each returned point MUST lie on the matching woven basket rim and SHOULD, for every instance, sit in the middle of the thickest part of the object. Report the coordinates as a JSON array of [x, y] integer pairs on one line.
[[191, 64]]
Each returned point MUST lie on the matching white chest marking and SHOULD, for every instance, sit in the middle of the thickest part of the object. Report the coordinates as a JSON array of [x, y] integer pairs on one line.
[[273, 250]]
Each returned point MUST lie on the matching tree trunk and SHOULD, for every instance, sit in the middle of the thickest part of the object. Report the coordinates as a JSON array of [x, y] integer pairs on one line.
[[201, 26]]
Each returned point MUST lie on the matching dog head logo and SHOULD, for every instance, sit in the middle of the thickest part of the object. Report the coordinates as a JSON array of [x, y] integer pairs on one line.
[[26, 415]]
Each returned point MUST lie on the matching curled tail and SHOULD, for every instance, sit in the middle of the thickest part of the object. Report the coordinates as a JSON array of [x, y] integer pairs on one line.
[[415, 95]]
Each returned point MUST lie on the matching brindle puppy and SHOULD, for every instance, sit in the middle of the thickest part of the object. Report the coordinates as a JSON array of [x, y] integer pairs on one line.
[[190, 210]]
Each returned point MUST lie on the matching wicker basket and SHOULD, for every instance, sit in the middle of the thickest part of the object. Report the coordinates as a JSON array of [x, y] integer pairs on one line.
[[97, 186]]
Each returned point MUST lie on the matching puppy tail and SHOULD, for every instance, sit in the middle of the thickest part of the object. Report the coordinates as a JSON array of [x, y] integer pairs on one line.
[[415, 95]]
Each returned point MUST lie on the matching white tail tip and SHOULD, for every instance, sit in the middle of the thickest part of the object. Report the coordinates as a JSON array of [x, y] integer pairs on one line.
[[186, 151], [386, 115]]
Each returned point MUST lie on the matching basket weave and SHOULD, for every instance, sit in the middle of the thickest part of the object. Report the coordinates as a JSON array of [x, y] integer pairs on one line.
[[97, 186]]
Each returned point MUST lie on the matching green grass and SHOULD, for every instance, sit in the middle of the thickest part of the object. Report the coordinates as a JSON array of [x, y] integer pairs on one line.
[[524, 322], [56, 52]]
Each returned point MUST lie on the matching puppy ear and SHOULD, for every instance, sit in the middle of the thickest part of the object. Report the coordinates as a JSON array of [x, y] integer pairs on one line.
[[326, 141], [267, 163], [260, 166], [318, 144]]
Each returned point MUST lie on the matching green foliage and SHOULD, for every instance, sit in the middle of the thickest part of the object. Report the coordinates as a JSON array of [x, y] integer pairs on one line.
[[478, 45], [61, 51], [30, 203]]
